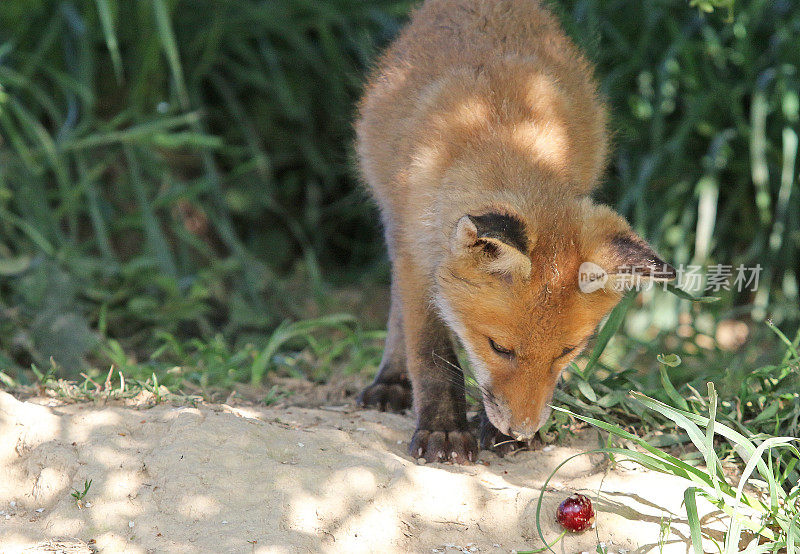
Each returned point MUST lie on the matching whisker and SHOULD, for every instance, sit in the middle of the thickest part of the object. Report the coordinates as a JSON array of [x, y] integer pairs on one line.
[[460, 373]]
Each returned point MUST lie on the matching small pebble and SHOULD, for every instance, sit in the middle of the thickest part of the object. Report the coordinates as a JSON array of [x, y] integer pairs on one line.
[[224, 522], [12, 503], [39, 510], [131, 524], [300, 444], [547, 448], [360, 429], [422, 461]]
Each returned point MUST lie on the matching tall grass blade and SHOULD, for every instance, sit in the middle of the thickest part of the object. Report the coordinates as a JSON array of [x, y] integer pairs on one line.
[[155, 235], [690, 500], [609, 329], [709, 454], [789, 344], [170, 46], [680, 293], [669, 388], [107, 23]]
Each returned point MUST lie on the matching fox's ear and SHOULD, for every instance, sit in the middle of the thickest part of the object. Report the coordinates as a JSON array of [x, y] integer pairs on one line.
[[496, 241], [615, 258], [633, 256], [625, 259]]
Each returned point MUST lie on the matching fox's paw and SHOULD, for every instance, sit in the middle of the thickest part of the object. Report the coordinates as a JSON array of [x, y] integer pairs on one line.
[[459, 447], [501, 444], [394, 397]]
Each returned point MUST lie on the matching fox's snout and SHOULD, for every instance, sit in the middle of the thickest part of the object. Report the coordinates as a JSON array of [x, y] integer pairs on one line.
[[526, 430], [520, 420]]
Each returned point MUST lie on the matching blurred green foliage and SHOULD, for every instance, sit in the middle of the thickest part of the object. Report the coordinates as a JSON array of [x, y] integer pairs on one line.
[[176, 167], [177, 171]]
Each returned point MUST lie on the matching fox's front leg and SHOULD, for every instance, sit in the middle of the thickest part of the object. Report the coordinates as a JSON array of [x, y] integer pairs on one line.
[[442, 433], [391, 388]]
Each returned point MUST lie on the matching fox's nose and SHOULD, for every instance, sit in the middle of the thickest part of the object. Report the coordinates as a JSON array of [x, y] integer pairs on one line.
[[523, 435], [524, 432], [526, 429]]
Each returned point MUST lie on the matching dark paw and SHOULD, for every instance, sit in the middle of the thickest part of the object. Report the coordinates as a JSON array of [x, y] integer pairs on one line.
[[492, 439], [459, 447], [395, 397]]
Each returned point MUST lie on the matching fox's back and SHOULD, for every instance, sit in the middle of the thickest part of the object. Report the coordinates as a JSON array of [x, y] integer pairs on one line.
[[444, 34], [493, 76]]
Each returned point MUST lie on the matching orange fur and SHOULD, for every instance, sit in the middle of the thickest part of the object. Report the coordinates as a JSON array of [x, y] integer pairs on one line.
[[484, 106]]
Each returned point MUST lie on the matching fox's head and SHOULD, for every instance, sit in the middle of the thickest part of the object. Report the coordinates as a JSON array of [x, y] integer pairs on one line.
[[512, 292]]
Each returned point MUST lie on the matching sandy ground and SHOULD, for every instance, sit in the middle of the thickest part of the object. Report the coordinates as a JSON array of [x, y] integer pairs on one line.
[[225, 479]]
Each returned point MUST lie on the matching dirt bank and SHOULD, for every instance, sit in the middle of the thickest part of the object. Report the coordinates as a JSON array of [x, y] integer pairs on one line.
[[222, 479]]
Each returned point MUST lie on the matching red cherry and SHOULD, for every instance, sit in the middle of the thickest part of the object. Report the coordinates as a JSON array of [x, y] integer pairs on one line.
[[576, 513]]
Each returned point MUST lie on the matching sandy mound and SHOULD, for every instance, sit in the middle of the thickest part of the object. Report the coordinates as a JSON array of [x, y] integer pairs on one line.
[[221, 479]]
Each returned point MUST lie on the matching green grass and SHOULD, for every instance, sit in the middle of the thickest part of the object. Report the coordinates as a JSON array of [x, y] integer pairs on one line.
[[177, 169], [762, 400], [79, 495]]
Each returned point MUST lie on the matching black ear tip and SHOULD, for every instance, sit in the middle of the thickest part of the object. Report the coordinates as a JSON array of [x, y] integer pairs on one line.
[[636, 256]]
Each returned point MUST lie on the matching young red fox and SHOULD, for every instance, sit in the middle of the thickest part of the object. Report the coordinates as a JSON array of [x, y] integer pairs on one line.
[[481, 136]]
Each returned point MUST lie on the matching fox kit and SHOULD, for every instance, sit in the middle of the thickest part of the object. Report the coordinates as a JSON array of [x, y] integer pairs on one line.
[[481, 136]]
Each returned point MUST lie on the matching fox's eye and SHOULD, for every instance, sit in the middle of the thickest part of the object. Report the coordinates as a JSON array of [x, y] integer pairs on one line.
[[504, 352], [567, 350]]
